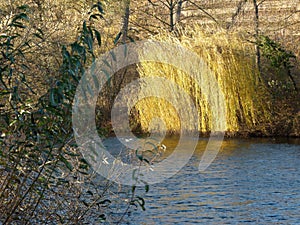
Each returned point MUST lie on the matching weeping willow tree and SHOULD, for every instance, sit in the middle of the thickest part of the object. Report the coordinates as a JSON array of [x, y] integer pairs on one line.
[[232, 60]]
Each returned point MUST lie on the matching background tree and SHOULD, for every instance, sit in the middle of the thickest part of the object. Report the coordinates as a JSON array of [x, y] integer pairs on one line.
[[125, 25]]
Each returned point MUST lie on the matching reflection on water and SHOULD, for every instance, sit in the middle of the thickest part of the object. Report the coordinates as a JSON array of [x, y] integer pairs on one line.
[[253, 181]]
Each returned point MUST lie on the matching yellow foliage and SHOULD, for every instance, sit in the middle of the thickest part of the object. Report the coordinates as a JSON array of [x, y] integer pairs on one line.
[[232, 60]]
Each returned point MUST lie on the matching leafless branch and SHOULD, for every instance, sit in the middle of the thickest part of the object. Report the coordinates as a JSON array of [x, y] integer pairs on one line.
[[236, 13], [204, 11]]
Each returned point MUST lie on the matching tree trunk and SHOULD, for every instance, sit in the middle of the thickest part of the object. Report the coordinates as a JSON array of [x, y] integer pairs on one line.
[[256, 22], [178, 12], [125, 21], [171, 7], [239, 8]]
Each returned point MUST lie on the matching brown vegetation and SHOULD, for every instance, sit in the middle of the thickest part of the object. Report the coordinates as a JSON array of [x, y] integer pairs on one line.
[[45, 47]]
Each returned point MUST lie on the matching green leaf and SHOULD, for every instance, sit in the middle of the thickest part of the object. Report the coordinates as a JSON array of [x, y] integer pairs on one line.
[[90, 193], [98, 37], [99, 7], [147, 188], [24, 66], [86, 204], [4, 36], [82, 172], [84, 161], [107, 74], [23, 16], [133, 188], [89, 88], [85, 27], [23, 7], [141, 202], [66, 162], [102, 218], [89, 42], [140, 157], [117, 38], [93, 17], [106, 63], [17, 24], [131, 39], [52, 97], [146, 160], [134, 176], [40, 31], [96, 82], [38, 36], [113, 55], [96, 16], [91, 34]]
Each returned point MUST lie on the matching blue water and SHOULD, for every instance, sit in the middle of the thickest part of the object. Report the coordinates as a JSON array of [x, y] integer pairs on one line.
[[253, 181]]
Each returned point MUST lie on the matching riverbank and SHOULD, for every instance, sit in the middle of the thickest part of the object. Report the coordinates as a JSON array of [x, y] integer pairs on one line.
[[284, 123]]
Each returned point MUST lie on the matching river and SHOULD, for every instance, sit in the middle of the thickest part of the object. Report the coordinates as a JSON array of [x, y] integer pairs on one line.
[[252, 181]]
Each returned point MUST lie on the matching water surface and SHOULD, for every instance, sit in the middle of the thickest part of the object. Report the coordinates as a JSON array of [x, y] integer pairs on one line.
[[253, 181]]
